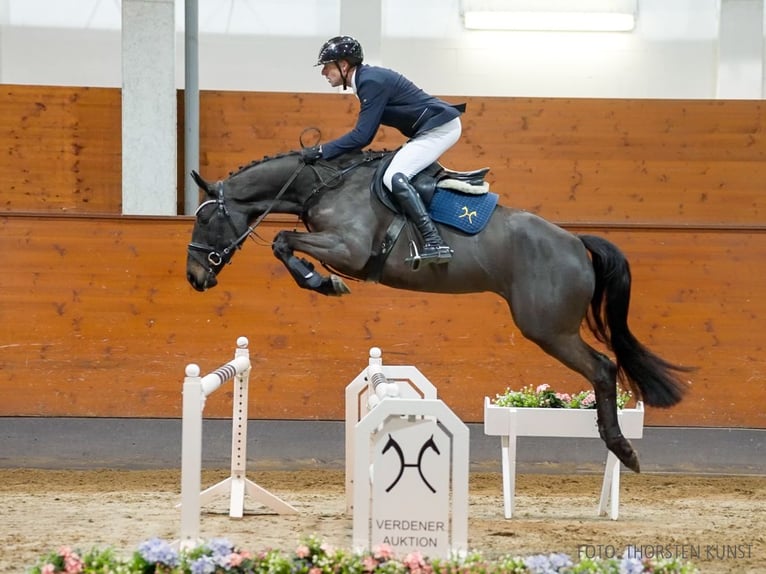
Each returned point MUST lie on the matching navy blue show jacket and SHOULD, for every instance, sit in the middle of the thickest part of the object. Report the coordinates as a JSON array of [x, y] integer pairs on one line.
[[388, 98]]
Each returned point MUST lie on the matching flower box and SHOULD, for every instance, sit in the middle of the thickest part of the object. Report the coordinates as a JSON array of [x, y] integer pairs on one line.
[[511, 422]]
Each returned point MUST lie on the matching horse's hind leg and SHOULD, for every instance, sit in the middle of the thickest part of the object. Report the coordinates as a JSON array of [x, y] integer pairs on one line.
[[573, 352], [549, 288], [551, 317]]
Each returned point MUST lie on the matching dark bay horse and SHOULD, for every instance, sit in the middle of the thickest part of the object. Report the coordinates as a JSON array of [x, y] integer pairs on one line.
[[552, 280]]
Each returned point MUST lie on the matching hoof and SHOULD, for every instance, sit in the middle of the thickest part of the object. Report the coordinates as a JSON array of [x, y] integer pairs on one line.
[[339, 286], [625, 452], [632, 462]]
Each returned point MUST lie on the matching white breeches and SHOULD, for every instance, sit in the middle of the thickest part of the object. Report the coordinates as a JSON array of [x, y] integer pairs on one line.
[[422, 150]]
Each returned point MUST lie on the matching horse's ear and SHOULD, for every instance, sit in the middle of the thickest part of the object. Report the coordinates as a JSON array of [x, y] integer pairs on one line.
[[205, 186]]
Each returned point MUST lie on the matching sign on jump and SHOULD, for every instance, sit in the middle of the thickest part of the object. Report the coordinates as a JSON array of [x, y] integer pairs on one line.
[[410, 463], [372, 384]]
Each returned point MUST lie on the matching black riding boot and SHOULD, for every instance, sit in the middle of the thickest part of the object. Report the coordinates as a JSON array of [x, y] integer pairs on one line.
[[434, 248]]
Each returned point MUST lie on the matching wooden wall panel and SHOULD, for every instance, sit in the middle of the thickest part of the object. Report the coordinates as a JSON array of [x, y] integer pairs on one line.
[[61, 151], [650, 162], [656, 162], [98, 320]]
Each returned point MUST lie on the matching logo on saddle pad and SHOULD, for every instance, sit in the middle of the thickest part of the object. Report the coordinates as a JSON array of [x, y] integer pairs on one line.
[[468, 213]]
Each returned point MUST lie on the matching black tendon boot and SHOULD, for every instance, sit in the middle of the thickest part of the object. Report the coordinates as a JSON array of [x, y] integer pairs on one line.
[[434, 248]]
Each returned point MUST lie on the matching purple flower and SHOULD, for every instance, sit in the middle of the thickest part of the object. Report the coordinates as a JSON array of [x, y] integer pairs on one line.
[[559, 561], [538, 564], [550, 564], [203, 565], [221, 550], [157, 551], [631, 562]]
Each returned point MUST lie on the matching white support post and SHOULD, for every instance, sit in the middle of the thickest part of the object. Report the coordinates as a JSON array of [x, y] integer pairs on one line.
[[236, 486], [610, 488], [191, 456], [510, 423], [404, 381]]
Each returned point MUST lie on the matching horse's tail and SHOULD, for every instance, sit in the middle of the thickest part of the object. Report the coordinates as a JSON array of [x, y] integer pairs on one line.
[[650, 377], [200, 181]]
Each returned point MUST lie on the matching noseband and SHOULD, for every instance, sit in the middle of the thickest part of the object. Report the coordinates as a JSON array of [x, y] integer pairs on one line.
[[213, 256]]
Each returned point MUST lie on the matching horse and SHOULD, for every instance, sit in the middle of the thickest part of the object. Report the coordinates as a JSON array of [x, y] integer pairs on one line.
[[553, 281]]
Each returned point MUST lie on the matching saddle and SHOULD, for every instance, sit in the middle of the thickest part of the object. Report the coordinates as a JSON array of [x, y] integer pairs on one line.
[[433, 177], [460, 199]]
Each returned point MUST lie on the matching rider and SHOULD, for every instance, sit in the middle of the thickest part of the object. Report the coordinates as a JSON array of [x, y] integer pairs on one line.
[[388, 98]]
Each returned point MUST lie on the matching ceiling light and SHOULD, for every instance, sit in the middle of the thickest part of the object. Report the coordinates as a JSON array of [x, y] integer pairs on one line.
[[550, 15]]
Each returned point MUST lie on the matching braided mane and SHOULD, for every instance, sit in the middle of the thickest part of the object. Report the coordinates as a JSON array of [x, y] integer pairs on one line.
[[264, 159], [267, 158]]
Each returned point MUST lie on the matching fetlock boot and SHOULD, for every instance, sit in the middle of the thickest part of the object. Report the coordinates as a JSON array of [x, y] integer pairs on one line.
[[434, 249]]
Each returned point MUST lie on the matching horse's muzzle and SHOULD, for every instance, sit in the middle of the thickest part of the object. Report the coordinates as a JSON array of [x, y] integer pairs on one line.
[[200, 277]]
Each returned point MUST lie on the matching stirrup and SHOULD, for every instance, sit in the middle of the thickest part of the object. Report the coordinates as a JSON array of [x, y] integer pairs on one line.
[[442, 254]]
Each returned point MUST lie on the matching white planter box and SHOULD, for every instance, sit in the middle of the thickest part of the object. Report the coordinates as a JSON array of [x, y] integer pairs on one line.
[[511, 422]]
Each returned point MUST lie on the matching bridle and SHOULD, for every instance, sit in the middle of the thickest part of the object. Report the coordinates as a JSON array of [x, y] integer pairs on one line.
[[216, 259], [213, 256]]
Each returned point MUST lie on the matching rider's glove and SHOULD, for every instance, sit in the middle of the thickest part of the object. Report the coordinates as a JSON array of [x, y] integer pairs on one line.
[[311, 154]]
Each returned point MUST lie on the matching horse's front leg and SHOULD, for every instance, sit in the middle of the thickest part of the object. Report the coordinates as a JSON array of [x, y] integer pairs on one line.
[[306, 276]]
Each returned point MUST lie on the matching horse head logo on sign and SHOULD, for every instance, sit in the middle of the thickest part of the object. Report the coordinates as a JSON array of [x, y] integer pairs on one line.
[[411, 510], [429, 444]]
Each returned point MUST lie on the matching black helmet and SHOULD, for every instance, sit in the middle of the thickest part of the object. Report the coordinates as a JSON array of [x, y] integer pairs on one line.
[[341, 48]]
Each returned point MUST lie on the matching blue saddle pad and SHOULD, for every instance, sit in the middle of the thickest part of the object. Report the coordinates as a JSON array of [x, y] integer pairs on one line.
[[468, 213]]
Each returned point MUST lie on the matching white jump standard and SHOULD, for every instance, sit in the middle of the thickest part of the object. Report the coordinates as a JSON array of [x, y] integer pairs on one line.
[[374, 383], [408, 454], [195, 390]]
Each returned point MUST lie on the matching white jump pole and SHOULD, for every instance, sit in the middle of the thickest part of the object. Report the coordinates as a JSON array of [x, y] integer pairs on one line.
[[195, 391]]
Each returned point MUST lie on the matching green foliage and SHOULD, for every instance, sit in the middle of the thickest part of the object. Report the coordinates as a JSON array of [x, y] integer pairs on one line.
[[312, 556], [545, 397]]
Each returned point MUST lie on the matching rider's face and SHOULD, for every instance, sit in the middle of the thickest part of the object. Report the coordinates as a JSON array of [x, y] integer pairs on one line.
[[333, 74]]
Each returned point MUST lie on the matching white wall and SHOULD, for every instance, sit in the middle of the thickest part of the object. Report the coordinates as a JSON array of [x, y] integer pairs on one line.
[[271, 45]]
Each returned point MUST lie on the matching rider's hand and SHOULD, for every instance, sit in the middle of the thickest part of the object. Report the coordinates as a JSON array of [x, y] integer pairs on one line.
[[311, 154]]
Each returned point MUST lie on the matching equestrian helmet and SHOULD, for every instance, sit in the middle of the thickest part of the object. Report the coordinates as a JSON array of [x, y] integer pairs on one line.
[[341, 48]]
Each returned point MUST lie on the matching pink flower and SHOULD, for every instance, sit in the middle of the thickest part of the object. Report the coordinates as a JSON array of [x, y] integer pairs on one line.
[[235, 559], [589, 399], [566, 397], [72, 565], [383, 552], [302, 551], [72, 562], [414, 560], [327, 548], [369, 564], [48, 569], [542, 388], [315, 570]]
